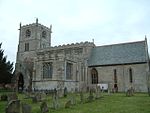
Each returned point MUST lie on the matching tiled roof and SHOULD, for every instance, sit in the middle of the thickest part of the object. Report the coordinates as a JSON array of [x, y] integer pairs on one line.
[[125, 53]]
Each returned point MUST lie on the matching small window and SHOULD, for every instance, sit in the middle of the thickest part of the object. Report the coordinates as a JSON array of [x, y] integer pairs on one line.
[[115, 76], [28, 33], [44, 34], [26, 46], [69, 71], [130, 75]]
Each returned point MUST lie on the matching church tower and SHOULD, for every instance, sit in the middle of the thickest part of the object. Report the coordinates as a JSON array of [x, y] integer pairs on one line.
[[32, 37]]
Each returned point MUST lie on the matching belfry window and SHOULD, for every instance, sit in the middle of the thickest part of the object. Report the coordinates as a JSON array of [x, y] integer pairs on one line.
[[28, 33], [26, 46], [94, 75], [47, 70], [44, 34]]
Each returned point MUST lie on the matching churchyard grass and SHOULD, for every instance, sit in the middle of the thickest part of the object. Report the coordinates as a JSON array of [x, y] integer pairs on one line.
[[114, 103]]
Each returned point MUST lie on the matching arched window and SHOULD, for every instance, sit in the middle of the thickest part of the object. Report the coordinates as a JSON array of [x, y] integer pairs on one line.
[[44, 34], [115, 81], [69, 71], [28, 33], [47, 70], [94, 75], [130, 75], [26, 46]]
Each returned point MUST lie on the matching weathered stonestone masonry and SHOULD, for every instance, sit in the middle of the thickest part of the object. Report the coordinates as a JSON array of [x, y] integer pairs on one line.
[[78, 65]]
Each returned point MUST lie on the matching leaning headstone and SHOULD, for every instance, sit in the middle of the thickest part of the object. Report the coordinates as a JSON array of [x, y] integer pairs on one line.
[[44, 108], [60, 92], [68, 104], [13, 106], [26, 108]]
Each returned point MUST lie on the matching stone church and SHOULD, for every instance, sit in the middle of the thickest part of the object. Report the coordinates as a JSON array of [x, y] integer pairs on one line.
[[40, 66]]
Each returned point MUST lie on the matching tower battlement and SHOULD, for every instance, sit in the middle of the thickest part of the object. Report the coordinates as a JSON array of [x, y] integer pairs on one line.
[[69, 46], [75, 45], [34, 24]]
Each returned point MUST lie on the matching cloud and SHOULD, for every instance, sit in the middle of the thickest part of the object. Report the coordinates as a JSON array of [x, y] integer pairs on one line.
[[107, 21]]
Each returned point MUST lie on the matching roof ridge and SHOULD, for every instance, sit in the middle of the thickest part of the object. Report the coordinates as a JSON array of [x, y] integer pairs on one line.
[[124, 43]]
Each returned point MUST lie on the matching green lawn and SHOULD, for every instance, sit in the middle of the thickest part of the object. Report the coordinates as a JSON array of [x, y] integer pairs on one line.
[[115, 103]]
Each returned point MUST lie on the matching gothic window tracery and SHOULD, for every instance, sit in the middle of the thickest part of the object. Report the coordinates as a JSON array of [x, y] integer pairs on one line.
[[47, 70], [69, 70]]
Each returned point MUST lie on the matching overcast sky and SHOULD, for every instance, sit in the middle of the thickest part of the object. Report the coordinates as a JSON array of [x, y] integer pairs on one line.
[[105, 21]]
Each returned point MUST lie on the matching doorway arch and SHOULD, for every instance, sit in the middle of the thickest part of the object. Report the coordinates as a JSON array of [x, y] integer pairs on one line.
[[20, 82], [94, 76]]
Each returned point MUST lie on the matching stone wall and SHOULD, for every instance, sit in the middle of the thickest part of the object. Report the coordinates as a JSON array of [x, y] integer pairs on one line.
[[139, 73], [76, 54]]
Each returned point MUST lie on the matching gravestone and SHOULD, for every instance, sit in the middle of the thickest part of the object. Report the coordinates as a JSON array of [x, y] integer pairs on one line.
[[43, 96], [68, 104], [91, 97], [13, 107], [130, 92], [12, 96], [26, 108], [55, 100], [81, 97], [44, 108], [39, 97], [65, 92], [73, 99], [36, 98], [27, 95], [97, 92]]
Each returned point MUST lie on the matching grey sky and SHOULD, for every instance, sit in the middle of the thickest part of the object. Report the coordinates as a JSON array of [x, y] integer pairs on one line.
[[107, 21]]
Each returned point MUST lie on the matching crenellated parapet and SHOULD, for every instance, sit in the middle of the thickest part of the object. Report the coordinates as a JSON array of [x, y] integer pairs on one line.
[[72, 45], [34, 24]]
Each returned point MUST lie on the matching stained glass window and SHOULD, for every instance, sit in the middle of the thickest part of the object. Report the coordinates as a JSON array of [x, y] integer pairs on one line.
[[47, 70]]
